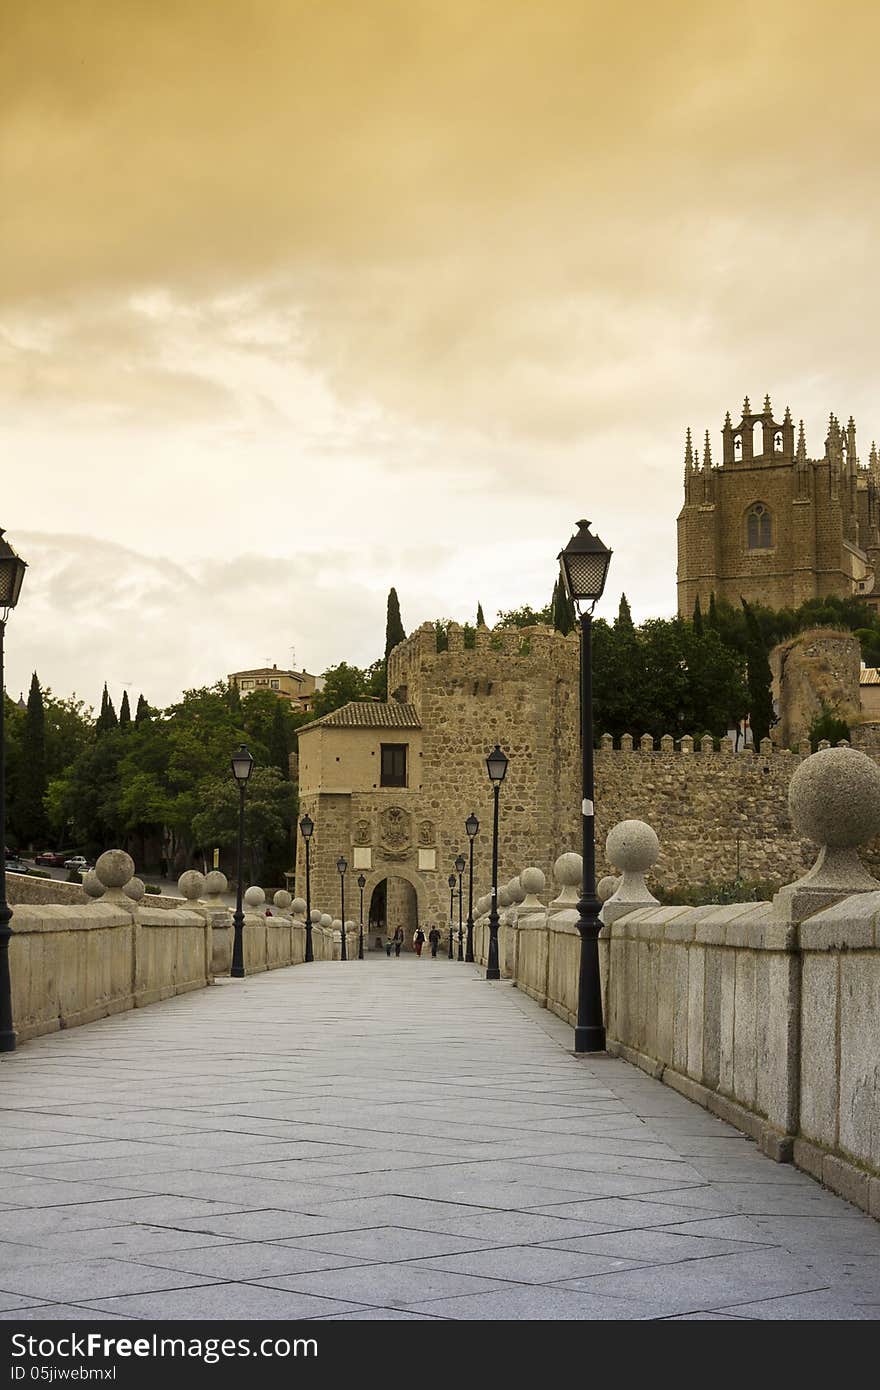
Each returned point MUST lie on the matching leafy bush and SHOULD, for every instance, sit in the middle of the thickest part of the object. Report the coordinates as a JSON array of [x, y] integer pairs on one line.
[[74, 876], [828, 725], [152, 888], [718, 892]]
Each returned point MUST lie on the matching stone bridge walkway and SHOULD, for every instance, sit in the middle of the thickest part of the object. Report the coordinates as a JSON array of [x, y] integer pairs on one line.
[[391, 1139]]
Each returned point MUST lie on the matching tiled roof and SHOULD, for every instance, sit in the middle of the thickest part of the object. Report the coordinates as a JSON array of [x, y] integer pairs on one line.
[[869, 675], [370, 714]]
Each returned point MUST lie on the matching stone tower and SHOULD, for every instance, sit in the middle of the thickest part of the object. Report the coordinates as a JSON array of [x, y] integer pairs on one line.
[[390, 783], [766, 523]]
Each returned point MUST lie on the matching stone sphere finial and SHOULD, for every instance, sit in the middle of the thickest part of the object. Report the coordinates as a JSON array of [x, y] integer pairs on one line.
[[504, 898], [254, 896], [516, 890], [114, 868], [632, 846], [533, 881], [282, 900], [606, 886], [135, 889], [834, 798], [215, 884], [191, 885], [93, 885], [298, 908], [326, 919], [568, 870], [315, 917]]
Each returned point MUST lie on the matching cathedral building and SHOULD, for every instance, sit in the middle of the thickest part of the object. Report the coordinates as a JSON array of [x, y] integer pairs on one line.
[[769, 524]]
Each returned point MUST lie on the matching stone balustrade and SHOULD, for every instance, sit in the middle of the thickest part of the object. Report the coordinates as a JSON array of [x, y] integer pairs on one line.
[[71, 963], [766, 1013]]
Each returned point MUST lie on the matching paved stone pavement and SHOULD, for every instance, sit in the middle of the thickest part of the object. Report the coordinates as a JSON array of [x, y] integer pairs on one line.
[[391, 1139]]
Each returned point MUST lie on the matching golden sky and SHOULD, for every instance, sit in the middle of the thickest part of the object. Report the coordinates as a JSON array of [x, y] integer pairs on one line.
[[299, 300]]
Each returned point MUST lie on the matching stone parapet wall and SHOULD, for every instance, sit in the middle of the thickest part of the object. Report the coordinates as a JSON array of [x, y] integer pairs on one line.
[[28, 888], [772, 1026], [70, 964]]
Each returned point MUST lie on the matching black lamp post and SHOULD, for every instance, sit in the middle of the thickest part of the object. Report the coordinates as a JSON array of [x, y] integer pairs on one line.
[[459, 869], [307, 830], [341, 866], [242, 767], [584, 563], [12, 570], [451, 882], [496, 765], [472, 826], [362, 883]]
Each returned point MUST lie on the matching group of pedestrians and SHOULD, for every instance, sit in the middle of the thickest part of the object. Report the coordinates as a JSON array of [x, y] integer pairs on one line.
[[394, 943]]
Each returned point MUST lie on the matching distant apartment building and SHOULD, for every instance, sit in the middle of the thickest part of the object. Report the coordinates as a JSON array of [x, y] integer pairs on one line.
[[296, 686]]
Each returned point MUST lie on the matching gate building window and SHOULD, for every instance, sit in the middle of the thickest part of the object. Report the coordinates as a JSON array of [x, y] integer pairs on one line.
[[393, 765]]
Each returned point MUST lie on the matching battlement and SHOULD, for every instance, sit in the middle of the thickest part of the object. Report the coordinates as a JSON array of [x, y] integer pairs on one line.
[[427, 657], [704, 747]]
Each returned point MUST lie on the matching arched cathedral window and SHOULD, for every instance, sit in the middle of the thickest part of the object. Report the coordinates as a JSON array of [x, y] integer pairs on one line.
[[759, 529]]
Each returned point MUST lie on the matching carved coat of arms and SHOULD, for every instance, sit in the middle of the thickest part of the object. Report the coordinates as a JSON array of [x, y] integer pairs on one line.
[[395, 832]]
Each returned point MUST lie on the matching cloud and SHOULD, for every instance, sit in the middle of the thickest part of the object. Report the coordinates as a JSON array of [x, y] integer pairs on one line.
[[302, 300]]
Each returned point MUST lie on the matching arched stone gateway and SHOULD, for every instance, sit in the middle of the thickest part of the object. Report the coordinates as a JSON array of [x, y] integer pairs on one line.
[[392, 897]]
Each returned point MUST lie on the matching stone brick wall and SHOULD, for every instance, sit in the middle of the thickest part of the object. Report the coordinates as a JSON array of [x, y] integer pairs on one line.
[[716, 813]]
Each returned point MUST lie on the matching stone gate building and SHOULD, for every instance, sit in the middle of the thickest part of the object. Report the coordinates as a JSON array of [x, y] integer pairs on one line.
[[389, 784], [769, 524]]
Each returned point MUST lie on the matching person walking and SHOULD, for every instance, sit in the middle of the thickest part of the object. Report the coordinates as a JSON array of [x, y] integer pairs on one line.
[[434, 939], [398, 940], [418, 940]]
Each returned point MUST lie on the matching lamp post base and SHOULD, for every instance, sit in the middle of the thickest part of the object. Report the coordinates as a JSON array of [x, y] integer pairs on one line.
[[589, 1040]]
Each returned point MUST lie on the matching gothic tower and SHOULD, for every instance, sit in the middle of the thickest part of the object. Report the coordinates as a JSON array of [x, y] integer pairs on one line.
[[767, 523]]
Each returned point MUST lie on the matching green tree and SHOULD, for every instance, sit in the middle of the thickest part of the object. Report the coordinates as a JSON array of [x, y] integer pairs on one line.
[[525, 616], [759, 677], [342, 683], [28, 814], [481, 621], [270, 811], [698, 617], [124, 711], [712, 617], [564, 617], [280, 737], [142, 712], [394, 633], [107, 718]]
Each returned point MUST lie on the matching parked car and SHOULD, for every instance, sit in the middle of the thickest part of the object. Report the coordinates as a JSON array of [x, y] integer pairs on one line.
[[53, 857], [16, 866], [77, 862]]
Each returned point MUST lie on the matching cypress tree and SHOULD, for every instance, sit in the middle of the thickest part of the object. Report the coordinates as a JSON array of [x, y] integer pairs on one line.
[[712, 619], [698, 617], [481, 621], [279, 743], [394, 632], [107, 718], [124, 711], [30, 815], [624, 621], [142, 713], [759, 677], [233, 701], [562, 609]]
